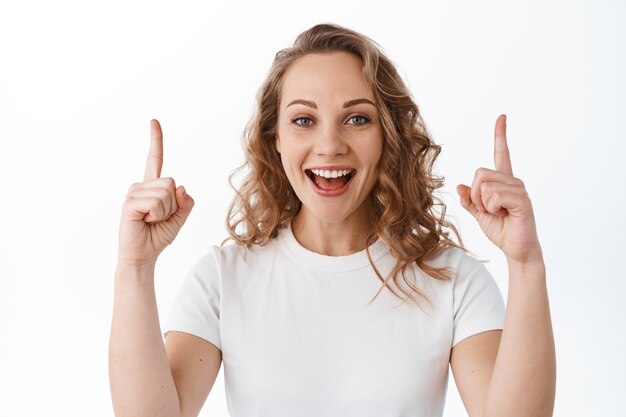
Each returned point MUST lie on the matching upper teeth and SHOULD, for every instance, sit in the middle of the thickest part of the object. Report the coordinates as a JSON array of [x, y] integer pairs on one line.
[[330, 174]]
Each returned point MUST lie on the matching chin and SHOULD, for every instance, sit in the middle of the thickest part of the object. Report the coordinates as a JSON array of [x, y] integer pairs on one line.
[[329, 214]]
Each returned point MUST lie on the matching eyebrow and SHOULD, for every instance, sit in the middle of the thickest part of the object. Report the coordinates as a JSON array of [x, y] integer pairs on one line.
[[347, 104], [357, 101]]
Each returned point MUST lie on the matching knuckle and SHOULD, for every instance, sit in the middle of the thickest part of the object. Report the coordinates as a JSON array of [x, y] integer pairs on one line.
[[169, 181], [133, 187], [162, 206], [163, 194], [156, 205]]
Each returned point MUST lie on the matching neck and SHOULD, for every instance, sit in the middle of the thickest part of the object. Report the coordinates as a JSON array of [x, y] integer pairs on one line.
[[340, 238]]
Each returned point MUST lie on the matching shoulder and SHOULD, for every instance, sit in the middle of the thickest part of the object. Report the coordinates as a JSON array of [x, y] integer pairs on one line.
[[468, 275], [233, 254], [458, 260]]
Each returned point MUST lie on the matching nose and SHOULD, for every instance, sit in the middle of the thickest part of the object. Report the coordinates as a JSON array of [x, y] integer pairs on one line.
[[330, 142]]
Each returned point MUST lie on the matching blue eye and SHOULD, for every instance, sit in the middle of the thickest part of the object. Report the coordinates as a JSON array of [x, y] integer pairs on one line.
[[302, 121], [359, 120]]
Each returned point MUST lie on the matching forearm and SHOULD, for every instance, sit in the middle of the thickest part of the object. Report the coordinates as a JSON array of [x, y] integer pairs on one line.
[[139, 372], [524, 377]]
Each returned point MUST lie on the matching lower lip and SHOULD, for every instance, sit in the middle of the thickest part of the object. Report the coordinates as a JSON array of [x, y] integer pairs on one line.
[[330, 193]]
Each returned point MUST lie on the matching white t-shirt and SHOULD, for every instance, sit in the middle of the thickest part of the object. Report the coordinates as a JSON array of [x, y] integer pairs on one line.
[[298, 337]]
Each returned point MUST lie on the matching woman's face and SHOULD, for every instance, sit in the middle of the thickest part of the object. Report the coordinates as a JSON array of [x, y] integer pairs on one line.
[[328, 126]]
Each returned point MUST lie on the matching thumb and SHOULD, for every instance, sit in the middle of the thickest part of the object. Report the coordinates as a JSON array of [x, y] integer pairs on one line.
[[185, 204], [466, 202]]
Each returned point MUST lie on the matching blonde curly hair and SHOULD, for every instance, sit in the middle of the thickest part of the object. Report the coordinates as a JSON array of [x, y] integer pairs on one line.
[[404, 205]]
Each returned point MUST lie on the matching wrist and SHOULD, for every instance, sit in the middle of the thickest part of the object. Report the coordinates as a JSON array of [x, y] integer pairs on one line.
[[532, 259], [528, 271], [134, 271]]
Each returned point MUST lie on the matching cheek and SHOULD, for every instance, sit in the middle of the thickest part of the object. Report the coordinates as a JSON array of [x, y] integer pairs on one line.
[[292, 148], [284, 139], [374, 151], [289, 159], [277, 141]]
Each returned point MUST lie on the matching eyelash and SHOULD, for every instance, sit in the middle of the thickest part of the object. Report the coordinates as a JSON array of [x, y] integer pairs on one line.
[[365, 118]]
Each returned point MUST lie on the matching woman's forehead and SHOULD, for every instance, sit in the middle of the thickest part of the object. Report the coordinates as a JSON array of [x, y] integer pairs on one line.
[[325, 77]]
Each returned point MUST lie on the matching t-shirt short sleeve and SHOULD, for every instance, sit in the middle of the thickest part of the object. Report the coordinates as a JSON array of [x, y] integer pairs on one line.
[[478, 303], [196, 306]]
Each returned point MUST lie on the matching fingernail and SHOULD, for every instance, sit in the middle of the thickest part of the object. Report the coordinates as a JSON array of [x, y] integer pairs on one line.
[[184, 192]]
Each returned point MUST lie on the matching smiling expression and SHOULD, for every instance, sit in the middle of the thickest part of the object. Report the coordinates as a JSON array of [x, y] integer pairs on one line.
[[328, 122]]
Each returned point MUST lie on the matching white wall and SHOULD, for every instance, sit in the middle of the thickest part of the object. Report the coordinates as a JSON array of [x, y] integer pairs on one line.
[[79, 83]]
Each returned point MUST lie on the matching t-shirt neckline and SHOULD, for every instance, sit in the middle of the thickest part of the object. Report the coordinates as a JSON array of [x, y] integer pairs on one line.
[[344, 263]]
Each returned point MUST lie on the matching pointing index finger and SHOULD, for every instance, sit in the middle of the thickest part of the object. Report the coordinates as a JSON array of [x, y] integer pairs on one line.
[[501, 154], [155, 157]]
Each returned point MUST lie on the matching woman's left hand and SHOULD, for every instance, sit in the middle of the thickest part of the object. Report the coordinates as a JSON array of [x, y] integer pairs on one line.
[[500, 204]]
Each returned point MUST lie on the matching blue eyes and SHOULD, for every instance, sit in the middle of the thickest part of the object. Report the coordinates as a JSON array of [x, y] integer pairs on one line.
[[362, 120], [302, 121], [357, 120]]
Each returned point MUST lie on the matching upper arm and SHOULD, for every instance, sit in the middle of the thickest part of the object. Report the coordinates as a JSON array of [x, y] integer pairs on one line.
[[194, 363], [472, 361]]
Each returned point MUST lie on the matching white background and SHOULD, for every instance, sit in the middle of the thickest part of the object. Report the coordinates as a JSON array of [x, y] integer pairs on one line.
[[79, 82]]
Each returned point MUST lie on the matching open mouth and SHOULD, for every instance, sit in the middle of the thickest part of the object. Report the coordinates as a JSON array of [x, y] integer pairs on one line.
[[330, 180]]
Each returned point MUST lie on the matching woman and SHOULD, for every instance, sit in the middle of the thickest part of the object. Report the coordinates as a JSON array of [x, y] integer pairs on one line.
[[337, 206]]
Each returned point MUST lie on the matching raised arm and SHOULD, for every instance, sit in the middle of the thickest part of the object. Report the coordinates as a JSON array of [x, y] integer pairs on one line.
[[142, 382], [515, 375]]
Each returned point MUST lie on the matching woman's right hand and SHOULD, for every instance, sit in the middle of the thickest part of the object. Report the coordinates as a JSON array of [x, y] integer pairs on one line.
[[154, 211]]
